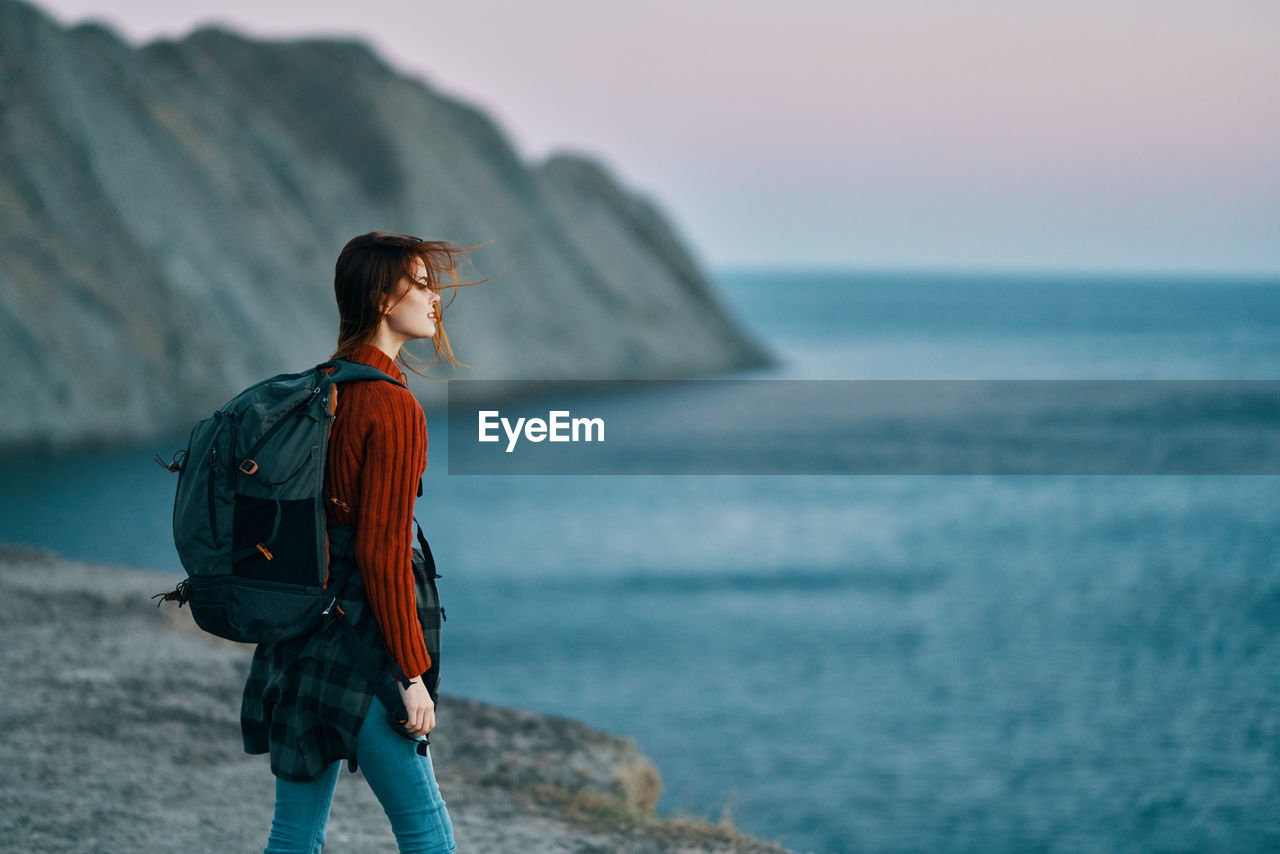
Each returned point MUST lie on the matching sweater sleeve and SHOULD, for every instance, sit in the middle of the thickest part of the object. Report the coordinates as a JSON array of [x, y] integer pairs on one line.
[[395, 457]]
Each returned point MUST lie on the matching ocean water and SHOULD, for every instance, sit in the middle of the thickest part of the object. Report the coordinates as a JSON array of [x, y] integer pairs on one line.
[[872, 663]]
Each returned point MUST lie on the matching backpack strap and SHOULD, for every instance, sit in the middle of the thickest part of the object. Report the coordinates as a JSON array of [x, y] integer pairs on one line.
[[428, 558], [346, 371]]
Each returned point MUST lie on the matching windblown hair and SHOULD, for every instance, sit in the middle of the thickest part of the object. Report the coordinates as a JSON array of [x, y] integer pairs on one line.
[[366, 282]]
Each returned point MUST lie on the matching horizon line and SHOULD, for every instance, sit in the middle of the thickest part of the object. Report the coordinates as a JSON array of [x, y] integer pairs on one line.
[[962, 269]]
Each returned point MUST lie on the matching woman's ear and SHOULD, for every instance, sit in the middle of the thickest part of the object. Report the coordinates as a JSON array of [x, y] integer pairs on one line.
[[389, 302]]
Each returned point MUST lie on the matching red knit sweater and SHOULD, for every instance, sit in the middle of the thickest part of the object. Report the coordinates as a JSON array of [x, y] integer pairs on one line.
[[377, 453]]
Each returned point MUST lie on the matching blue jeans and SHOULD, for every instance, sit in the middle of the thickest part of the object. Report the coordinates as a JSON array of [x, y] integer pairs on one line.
[[403, 781]]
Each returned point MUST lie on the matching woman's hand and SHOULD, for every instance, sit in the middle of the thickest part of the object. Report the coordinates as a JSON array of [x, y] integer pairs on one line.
[[417, 702]]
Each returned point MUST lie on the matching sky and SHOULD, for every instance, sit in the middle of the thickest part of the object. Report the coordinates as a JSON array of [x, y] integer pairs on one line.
[[1098, 135]]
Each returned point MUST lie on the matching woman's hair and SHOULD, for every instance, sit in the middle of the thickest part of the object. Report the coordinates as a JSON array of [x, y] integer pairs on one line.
[[366, 281]]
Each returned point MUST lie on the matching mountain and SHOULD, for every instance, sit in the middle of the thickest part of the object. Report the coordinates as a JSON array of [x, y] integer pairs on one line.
[[171, 215]]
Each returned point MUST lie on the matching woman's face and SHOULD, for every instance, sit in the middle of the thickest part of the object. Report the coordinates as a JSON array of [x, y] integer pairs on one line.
[[415, 313]]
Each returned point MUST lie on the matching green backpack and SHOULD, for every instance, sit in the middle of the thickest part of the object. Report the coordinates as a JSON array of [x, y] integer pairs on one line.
[[249, 515]]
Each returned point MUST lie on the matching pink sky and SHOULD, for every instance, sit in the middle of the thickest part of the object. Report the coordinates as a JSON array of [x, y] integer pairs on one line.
[[1128, 134]]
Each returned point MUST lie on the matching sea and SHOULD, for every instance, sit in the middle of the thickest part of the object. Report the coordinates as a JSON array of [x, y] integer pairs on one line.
[[880, 663]]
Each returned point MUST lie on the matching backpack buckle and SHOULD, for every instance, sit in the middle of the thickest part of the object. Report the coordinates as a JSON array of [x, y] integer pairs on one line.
[[248, 466]]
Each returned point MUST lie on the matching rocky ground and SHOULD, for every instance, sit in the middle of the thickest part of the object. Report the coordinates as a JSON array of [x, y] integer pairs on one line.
[[121, 734]]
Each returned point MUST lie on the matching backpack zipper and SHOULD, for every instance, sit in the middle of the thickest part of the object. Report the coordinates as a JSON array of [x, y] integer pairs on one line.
[[232, 419], [213, 472]]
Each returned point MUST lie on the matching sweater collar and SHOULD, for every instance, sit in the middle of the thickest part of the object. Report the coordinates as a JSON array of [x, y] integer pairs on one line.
[[368, 354]]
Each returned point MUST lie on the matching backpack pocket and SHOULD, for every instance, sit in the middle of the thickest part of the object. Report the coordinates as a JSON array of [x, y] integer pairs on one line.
[[274, 530], [274, 540], [252, 610], [202, 510]]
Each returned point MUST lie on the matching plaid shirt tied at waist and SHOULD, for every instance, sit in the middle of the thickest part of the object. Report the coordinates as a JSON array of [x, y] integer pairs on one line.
[[305, 698]]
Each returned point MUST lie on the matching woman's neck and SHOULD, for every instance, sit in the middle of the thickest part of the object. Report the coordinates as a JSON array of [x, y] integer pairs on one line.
[[388, 342]]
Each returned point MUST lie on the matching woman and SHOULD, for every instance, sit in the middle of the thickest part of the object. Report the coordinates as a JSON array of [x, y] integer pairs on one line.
[[307, 700]]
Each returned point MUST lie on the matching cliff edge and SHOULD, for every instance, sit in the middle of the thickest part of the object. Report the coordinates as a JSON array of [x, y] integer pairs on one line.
[[123, 735]]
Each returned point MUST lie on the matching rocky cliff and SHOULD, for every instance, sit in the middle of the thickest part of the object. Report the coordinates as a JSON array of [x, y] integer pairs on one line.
[[171, 215]]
